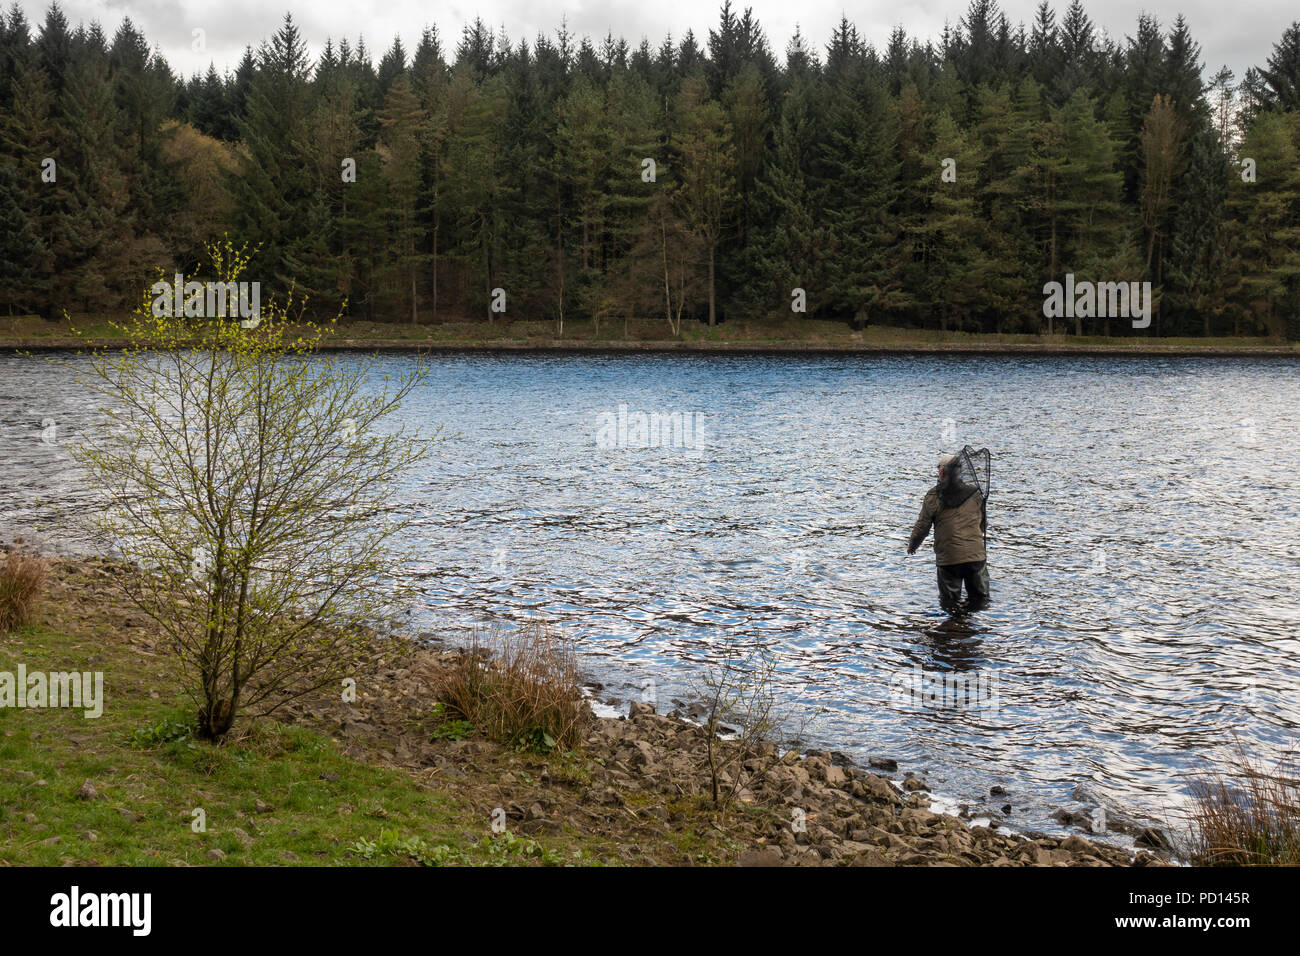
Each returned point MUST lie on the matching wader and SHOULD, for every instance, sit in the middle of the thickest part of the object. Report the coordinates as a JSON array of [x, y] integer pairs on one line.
[[974, 574]]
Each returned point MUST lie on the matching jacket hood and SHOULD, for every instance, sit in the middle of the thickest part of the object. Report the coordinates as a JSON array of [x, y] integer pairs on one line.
[[954, 495]]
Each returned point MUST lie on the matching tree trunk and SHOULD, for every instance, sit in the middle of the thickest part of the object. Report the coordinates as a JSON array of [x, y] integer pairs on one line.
[[668, 295], [415, 307], [216, 718], [487, 266], [713, 321], [435, 268], [1051, 325], [561, 303], [370, 298]]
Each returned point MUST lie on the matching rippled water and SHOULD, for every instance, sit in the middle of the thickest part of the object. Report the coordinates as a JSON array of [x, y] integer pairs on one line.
[[1143, 545]]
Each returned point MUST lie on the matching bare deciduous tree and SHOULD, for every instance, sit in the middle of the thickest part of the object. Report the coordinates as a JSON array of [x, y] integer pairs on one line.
[[740, 695], [249, 484]]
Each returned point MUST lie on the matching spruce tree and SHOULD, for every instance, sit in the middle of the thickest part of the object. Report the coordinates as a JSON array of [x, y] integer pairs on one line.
[[706, 164]]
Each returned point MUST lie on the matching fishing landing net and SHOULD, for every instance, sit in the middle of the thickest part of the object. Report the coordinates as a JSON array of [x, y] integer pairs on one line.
[[976, 468]]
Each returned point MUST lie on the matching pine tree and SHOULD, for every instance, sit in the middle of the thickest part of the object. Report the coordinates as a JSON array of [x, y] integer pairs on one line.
[[391, 65], [1202, 248], [582, 154], [706, 166], [93, 236], [1044, 49], [960, 281], [1005, 132], [1144, 61], [1163, 160], [788, 249], [1280, 79], [402, 122], [1269, 212], [477, 114], [21, 249], [1079, 55], [1041, 175], [854, 184], [432, 87], [54, 47], [15, 49], [525, 186], [745, 102], [427, 65], [631, 113], [1088, 210], [274, 190], [476, 51], [27, 140]]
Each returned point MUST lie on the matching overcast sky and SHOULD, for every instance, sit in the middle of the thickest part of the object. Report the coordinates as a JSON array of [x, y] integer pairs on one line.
[[1238, 35]]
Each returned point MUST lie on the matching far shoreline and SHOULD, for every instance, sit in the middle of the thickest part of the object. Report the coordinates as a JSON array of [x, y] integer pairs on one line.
[[757, 336], [740, 347]]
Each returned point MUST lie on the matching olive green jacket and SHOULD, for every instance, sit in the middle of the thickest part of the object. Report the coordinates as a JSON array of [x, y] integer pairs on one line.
[[958, 531]]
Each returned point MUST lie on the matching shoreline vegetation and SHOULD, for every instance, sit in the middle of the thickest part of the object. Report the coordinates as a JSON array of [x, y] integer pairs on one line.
[[31, 333], [396, 778]]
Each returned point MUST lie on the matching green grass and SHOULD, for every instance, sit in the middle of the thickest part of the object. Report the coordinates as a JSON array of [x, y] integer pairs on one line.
[[325, 808], [499, 849], [453, 730]]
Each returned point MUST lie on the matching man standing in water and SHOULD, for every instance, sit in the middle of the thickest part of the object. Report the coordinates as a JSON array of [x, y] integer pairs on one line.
[[956, 510]]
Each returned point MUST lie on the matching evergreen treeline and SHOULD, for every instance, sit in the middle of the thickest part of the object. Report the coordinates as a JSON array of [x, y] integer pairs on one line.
[[414, 188]]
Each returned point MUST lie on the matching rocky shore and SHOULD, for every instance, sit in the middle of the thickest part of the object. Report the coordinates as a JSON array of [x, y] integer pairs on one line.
[[638, 787], [647, 776]]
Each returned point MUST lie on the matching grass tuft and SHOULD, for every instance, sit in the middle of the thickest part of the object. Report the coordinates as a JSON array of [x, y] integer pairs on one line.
[[1249, 816], [22, 581], [520, 687]]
